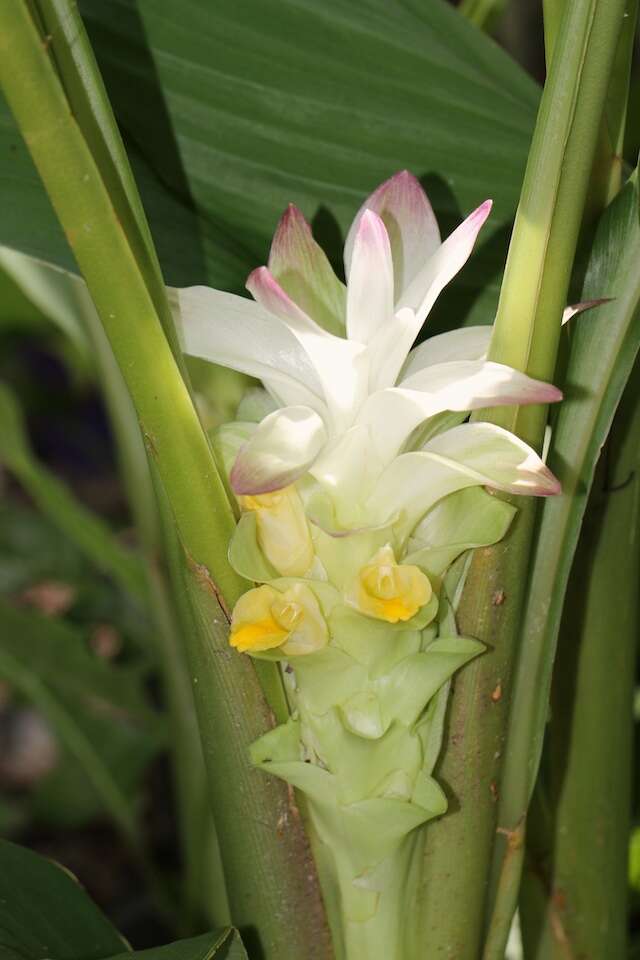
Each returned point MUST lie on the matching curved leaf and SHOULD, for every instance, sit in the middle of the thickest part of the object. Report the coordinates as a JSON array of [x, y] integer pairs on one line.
[[44, 912], [221, 944]]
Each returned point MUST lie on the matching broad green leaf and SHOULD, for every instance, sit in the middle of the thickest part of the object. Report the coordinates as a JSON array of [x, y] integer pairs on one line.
[[221, 945], [84, 528], [44, 912], [270, 102]]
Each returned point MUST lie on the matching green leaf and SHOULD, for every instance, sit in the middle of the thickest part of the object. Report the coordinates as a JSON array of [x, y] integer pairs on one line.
[[97, 711], [604, 345], [223, 945], [41, 290], [44, 912], [297, 108], [84, 528]]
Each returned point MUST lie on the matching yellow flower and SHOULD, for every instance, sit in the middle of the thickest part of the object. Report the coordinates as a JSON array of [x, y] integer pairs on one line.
[[388, 590], [265, 618], [283, 531]]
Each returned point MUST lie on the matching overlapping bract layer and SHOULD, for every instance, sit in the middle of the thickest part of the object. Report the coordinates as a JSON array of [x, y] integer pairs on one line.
[[348, 394], [359, 485]]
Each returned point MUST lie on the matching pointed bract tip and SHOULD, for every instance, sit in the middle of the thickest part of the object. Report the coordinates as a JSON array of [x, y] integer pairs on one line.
[[542, 392], [371, 225], [555, 395], [262, 279], [256, 277], [293, 214], [549, 485], [404, 183], [404, 176], [287, 233], [482, 212], [576, 308]]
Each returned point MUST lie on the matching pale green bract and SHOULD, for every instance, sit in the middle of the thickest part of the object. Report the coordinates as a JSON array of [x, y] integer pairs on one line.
[[356, 472]]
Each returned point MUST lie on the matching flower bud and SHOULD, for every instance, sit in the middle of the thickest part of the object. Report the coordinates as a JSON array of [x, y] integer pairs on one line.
[[388, 590], [283, 531], [264, 619]]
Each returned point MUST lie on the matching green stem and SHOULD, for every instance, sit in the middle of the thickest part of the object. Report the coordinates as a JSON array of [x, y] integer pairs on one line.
[[458, 847], [538, 269], [575, 886], [606, 175], [526, 335], [75, 61], [601, 359], [203, 884], [270, 878]]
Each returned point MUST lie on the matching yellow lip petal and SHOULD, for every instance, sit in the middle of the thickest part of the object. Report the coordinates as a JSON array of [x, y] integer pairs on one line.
[[259, 636], [265, 618], [388, 590]]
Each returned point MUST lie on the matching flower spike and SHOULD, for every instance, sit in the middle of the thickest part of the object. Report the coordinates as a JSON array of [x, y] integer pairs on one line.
[[359, 485]]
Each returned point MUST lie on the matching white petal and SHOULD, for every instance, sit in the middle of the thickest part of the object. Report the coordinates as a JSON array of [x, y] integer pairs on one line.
[[347, 469], [393, 414], [469, 455], [510, 463], [340, 365], [389, 348], [466, 343], [470, 384], [237, 333], [443, 265], [283, 447], [370, 280], [411, 225], [393, 341]]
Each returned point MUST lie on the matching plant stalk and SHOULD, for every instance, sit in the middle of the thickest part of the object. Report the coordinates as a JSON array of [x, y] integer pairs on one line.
[[601, 359], [574, 900]]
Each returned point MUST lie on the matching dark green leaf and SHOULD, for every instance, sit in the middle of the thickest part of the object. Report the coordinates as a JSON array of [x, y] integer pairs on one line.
[[604, 345], [223, 945], [269, 102], [44, 912]]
